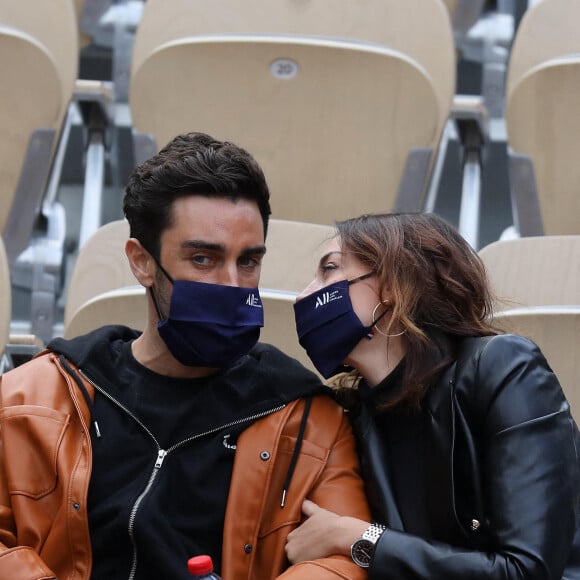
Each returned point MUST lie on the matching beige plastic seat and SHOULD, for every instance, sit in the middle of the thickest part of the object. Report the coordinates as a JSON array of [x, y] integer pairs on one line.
[[419, 29], [330, 98], [31, 98], [288, 267], [101, 266], [329, 149], [280, 326], [125, 305], [543, 123], [14, 348], [293, 250], [534, 271], [53, 24], [543, 119], [547, 30], [537, 283], [556, 330], [38, 67]]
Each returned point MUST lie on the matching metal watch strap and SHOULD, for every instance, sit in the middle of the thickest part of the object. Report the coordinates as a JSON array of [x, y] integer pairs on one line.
[[363, 549], [373, 532]]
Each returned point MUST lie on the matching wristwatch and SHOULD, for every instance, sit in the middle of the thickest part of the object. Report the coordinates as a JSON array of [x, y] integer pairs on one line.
[[362, 550]]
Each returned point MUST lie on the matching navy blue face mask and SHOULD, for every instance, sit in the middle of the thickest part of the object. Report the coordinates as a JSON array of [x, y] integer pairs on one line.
[[328, 328], [210, 325]]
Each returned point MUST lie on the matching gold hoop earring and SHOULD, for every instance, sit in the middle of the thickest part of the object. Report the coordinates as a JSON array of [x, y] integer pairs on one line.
[[375, 320]]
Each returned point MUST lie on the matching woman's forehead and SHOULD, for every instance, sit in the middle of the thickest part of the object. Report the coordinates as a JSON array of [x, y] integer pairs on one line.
[[333, 250], [332, 246]]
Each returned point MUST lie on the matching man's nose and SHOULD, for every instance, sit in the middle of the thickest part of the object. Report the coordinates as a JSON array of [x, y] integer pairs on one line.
[[228, 275]]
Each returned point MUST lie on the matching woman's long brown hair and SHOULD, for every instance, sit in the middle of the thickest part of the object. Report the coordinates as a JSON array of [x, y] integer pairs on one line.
[[438, 286]]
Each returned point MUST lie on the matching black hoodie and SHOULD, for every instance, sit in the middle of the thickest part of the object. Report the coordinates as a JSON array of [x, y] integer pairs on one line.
[[191, 427]]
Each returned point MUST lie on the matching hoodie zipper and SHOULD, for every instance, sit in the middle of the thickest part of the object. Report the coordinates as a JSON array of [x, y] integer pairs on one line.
[[163, 453]]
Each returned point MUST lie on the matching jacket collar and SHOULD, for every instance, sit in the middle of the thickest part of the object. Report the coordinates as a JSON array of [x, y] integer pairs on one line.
[[440, 417]]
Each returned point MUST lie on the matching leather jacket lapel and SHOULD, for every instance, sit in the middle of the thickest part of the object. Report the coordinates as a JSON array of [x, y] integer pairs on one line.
[[439, 450], [375, 467]]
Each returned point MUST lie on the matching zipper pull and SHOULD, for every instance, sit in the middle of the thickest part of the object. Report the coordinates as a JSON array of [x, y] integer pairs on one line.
[[160, 457]]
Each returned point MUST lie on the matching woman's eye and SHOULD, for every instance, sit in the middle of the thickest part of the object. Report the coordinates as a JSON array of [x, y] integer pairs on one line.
[[328, 267]]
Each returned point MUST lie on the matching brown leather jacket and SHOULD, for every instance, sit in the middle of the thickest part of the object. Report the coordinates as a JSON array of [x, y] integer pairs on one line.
[[45, 467]]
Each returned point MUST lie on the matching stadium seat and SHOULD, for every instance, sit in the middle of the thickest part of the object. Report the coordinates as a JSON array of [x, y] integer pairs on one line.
[[126, 305], [31, 113], [537, 284], [53, 24], [280, 326], [556, 330], [330, 98], [543, 124], [548, 30], [14, 348], [101, 266], [293, 250], [38, 65], [534, 271], [419, 29], [543, 119], [37, 81]]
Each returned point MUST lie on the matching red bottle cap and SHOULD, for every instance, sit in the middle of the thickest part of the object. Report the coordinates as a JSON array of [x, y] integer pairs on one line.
[[199, 565]]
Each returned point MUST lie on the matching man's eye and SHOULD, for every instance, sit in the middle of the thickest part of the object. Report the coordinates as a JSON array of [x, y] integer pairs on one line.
[[202, 260], [249, 262]]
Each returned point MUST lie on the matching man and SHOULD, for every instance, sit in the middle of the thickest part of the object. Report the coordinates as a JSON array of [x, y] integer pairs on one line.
[[124, 454]]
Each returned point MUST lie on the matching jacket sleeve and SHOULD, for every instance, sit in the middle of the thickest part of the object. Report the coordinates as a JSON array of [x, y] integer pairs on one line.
[[326, 472], [530, 476], [339, 488], [16, 562]]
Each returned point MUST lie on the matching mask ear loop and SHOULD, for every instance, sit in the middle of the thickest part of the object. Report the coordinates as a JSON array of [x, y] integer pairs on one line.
[[164, 271], [375, 321]]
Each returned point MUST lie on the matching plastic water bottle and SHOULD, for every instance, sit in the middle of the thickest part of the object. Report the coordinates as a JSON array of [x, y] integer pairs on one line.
[[201, 568]]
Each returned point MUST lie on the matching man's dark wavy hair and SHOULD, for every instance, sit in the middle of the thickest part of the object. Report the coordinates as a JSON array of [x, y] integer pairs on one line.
[[191, 164]]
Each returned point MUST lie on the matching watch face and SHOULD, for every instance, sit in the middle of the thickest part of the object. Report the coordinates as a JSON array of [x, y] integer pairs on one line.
[[362, 552]]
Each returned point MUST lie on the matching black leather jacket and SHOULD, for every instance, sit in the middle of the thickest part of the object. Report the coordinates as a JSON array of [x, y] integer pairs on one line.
[[503, 472]]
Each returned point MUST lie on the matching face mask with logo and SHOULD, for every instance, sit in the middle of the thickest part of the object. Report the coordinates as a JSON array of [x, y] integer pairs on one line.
[[210, 325], [328, 328]]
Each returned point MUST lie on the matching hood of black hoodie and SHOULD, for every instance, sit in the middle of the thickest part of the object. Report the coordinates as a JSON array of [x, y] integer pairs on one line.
[[273, 377]]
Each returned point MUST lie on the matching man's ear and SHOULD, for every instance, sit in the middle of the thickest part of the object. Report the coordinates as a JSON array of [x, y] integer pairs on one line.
[[141, 262]]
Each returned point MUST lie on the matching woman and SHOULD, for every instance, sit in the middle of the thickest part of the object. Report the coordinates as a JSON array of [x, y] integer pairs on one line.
[[466, 440]]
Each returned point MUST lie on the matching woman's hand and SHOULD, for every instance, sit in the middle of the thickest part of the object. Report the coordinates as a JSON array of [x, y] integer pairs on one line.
[[323, 534]]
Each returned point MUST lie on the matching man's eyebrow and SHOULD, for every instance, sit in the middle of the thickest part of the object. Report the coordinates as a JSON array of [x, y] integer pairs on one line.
[[202, 245], [259, 250]]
